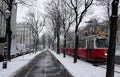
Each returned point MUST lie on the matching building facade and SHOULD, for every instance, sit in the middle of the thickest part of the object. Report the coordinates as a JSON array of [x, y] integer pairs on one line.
[[24, 34], [13, 20], [3, 7]]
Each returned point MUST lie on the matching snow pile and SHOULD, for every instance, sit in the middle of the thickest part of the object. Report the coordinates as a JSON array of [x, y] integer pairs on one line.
[[81, 68], [16, 64]]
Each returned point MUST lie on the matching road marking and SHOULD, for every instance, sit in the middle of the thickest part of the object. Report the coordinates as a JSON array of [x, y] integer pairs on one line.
[[29, 71]]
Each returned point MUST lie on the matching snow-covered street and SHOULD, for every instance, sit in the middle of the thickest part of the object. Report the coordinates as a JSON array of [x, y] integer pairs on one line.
[[79, 69]]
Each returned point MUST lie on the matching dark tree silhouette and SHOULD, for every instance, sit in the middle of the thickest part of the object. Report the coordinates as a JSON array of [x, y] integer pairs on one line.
[[75, 6], [112, 41], [10, 4]]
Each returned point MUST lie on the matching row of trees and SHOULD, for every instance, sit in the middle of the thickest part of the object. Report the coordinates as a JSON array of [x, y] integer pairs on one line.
[[10, 4], [33, 19], [36, 23], [63, 14], [69, 13]]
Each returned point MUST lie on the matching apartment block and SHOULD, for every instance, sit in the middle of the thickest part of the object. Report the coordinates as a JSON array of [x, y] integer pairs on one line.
[[24, 34]]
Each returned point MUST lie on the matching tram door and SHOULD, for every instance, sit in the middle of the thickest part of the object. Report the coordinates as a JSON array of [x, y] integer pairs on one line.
[[90, 48]]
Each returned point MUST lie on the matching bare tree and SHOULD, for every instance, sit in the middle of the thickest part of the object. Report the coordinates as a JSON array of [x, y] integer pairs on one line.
[[43, 40], [112, 20], [76, 5], [67, 19], [52, 32], [112, 42], [10, 4], [51, 28], [36, 25], [54, 13]]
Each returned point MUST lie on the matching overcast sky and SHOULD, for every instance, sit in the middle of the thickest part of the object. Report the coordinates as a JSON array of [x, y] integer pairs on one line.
[[96, 11], [22, 10]]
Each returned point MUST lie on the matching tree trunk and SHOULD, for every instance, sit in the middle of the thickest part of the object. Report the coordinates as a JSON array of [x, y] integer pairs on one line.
[[58, 42], [8, 37], [36, 46], [112, 41], [9, 44], [49, 40], [8, 29], [76, 47], [64, 50], [76, 36], [52, 45]]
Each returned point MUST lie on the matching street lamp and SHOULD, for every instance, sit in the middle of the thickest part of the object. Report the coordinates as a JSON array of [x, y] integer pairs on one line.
[[6, 14]]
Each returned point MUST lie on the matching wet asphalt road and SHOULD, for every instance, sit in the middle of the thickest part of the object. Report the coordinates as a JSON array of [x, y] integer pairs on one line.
[[44, 65]]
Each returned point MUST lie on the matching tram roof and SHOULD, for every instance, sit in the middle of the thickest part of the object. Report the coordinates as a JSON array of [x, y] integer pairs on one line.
[[92, 36]]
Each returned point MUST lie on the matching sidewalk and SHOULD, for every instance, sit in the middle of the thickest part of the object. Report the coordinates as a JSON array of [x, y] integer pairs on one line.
[[16, 64], [82, 68]]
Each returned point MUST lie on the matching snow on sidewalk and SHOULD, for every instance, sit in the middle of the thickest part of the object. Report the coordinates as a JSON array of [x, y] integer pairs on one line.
[[16, 64], [81, 68], [117, 53]]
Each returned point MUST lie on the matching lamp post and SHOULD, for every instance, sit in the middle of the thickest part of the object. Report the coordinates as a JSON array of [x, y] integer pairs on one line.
[[7, 14]]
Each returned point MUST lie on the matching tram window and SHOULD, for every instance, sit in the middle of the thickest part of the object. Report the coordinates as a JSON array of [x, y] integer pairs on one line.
[[87, 44], [90, 44], [82, 43], [70, 45], [102, 43]]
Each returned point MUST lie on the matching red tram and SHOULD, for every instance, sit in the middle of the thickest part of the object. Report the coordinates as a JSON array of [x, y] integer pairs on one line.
[[92, 48]]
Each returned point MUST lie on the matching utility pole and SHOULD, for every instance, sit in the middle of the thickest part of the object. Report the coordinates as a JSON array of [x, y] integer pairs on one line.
[[112, 41]]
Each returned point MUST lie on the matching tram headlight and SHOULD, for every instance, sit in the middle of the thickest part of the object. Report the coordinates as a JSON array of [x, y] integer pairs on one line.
[[105, 54]]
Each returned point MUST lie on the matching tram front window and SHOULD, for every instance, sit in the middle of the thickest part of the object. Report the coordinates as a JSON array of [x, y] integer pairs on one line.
[[102, 43]]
